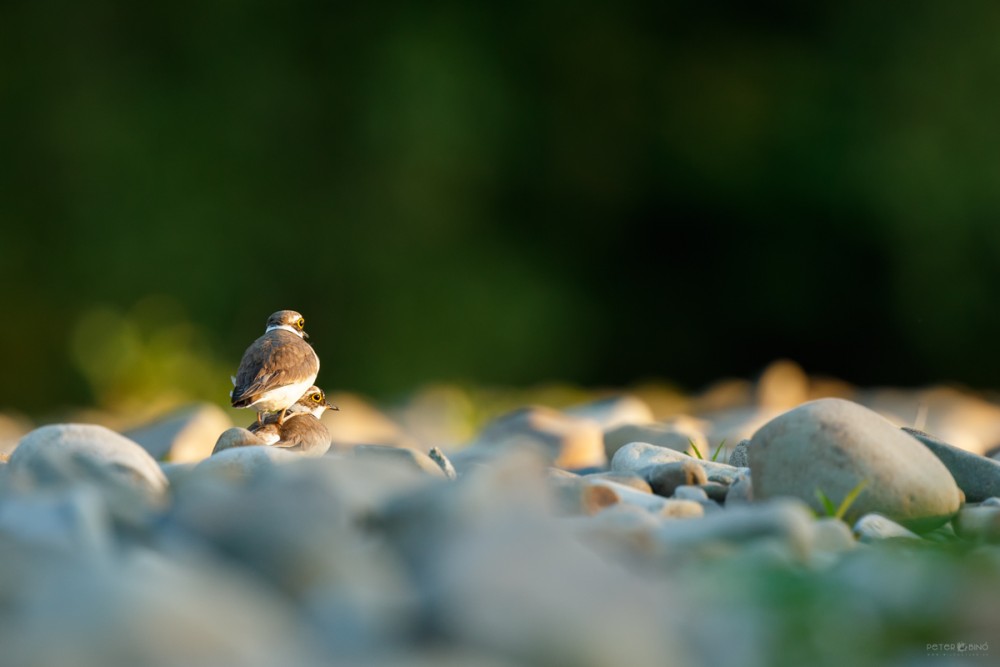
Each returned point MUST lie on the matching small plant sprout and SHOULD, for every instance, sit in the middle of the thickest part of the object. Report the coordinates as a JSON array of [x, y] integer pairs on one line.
[[715, 456], [697, 452], [699, 455], [838, 512]]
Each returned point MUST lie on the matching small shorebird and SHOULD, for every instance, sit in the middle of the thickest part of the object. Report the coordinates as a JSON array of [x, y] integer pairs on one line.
[[277, 368], [301, 431]]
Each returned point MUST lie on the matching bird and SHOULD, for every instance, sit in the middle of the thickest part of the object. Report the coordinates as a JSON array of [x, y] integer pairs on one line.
[[277, 369], [301, 431]]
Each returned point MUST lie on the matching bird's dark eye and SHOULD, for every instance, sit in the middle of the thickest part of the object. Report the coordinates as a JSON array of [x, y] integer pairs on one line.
[[301, 322], [318, 398]]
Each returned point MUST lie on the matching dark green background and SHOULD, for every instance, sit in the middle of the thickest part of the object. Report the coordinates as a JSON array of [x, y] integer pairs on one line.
[[496, 192]]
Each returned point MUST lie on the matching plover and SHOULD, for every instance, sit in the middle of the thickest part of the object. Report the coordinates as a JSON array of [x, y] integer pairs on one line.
[[302, 431], [277, 369]]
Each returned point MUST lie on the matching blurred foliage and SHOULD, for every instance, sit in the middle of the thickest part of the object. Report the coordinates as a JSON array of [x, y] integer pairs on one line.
[[496, 192]]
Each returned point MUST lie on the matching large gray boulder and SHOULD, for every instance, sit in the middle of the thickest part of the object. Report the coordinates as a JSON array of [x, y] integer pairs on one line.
[[832, 445], [62, 442]]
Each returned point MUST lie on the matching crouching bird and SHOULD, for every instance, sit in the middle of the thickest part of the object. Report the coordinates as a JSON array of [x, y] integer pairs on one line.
[[301, 431]]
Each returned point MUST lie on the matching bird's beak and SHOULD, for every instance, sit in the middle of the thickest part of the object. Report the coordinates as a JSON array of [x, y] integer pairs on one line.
[[305, 335], [331, 406]]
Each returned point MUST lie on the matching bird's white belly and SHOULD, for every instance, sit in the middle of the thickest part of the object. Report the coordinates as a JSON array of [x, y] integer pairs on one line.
[[282, 397]]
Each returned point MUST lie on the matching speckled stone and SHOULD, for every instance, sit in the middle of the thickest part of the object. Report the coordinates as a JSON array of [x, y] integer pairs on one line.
[[833, 445]]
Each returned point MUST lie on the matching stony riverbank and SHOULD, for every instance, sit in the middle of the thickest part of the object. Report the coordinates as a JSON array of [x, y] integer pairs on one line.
[[596, 534]]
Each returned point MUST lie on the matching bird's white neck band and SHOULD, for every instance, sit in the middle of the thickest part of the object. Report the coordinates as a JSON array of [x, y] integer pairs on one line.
[[283, 326]]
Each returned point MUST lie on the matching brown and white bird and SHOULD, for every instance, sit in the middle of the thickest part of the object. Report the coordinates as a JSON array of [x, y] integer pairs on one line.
[[301, 431], [277, 368]]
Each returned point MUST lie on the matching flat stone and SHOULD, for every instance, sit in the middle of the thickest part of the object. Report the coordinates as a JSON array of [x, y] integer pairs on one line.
[[875, 528], [833, 445], [666, 477], [65, 441], [184, 435], [977, 476]]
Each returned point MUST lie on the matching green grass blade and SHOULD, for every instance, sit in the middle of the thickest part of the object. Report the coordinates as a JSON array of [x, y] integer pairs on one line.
[[849, 499], [697, 452], [827, 503], [715, 456]]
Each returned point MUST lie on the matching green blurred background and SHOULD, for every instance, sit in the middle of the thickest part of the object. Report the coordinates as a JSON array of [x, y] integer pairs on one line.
[[497, 193]]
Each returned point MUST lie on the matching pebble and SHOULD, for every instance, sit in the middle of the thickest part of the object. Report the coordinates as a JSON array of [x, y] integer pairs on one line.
[[532, 591], [957, 417], [620, 527], [652, 503], [153, 611], [741, 490], [832, 535], [236, 437], [74, 521], [977, 476], [443, 462], [782, 386], [243, 463], [358, 422], [630, 479], [418, 460], [832, 445], [979, 523], [568, 442], [666, 477], [637, 456], [677, 435], [715, 490], [183, 436], [786, 520], [574, 496], [739, 456], [875, 528], [51, 444], [695, 493], [613, 411], [12, 429]]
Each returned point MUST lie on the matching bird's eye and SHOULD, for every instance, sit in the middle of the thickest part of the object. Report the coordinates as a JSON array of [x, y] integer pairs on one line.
[[301, 322], [318, 398]]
